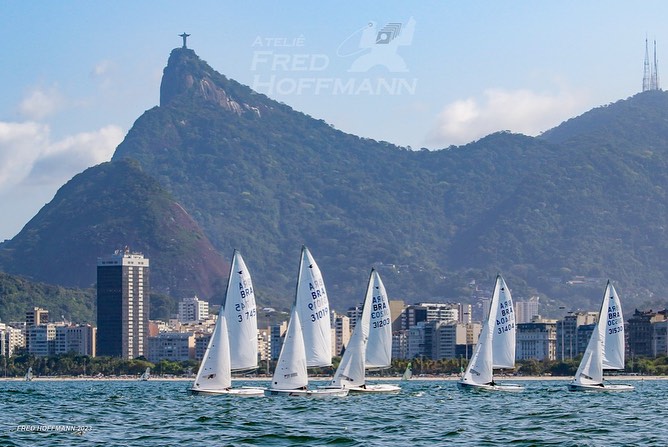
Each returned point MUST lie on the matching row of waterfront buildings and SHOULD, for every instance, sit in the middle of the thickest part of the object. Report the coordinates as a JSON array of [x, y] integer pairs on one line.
[[423, 330]]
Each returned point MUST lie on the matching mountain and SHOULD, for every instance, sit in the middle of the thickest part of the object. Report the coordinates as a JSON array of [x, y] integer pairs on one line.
[[107, 207], [585, 199]]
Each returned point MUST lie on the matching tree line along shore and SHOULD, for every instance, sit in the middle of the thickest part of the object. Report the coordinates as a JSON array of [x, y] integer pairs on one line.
[[71, 365]]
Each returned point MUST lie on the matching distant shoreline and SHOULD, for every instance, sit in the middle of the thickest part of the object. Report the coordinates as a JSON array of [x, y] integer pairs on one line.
[[317, 379]]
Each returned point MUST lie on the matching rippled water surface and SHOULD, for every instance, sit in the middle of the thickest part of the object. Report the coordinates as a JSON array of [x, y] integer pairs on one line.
[[157, 413]]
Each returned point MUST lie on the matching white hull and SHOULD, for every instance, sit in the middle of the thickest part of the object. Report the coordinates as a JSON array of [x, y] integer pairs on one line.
[[376, 388], [603, 388], [321, 392], [508, 387], [240, 392]]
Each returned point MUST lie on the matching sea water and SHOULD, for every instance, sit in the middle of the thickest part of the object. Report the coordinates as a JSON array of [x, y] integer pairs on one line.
[[425, 413]]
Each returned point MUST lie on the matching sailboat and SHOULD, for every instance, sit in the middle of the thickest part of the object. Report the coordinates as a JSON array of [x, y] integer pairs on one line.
[[146, 374], [605, 349], [496, 344], [28, 376], [408, 373], [370, 345], [233, 344], [308, 338]]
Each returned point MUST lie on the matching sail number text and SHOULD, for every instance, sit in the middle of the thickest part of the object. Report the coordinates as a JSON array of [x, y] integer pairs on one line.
[[379, 311], [506, 322], [615, 324], [381, 323], [319, 306], [243, 308]]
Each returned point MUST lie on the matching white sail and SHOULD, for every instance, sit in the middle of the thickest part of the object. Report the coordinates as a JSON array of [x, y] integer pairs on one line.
[[590, 371], [290, 370], [379, 345], [214, 372], [613, 340], [605, 349], [351, 370], [241, 316], [313, 308], [28, 376], [489, 353], [503, 324], [408, 372], [146, 374], [479, 369]]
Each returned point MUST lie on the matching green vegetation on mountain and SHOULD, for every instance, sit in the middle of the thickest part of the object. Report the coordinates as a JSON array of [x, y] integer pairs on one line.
[[587, 198], [109, 207], [19, 295], [70, 304]]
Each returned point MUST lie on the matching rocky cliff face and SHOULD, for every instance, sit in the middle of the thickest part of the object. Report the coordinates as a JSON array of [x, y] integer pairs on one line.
[[187, 74]]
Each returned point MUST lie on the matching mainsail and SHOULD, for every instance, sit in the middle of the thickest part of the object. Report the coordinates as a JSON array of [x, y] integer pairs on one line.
[[503, 324], [241, 315], [313, 309], [379, 345]]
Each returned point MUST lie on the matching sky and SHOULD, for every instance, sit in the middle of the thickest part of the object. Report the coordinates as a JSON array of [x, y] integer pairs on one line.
[[77, 74]]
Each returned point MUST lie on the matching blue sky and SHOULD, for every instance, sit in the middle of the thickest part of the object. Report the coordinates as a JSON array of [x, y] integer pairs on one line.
[[76, 74]]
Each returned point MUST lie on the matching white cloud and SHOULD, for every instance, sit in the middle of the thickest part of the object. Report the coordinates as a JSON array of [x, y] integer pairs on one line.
[[41, 103], [102, 68], [103, 74], [28, 156], [32, 167], [522, 111], [63, 159], [20, 145]]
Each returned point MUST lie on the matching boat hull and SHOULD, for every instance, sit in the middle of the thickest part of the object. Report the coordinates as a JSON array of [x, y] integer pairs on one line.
[[506, 387], [603, 388], [320, 392], [239, 392], [376, 388]]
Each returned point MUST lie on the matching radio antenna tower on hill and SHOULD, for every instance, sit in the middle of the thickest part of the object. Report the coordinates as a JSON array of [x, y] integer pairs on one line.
[[654, 85], [650, 79]]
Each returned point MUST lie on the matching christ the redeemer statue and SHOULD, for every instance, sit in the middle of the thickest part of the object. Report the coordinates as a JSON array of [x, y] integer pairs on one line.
[[185, 36]]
